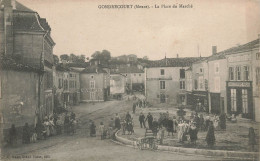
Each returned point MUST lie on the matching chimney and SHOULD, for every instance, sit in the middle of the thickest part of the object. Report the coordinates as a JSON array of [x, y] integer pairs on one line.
[[214, 50], [177, 55], [8, 27]]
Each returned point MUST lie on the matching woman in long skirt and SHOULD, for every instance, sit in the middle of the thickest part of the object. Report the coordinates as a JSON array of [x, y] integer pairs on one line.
[[210, 138]]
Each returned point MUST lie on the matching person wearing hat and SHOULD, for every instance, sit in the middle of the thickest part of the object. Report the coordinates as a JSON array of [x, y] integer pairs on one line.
[[149, 118], [141, 120]]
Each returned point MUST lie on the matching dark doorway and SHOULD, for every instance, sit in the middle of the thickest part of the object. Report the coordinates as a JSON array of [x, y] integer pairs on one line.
[[162, 98]]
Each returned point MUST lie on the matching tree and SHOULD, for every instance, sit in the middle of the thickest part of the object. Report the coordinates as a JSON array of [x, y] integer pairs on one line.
[[105, 55], [73, 58], [145, 58], [64, 57], [55, 59]]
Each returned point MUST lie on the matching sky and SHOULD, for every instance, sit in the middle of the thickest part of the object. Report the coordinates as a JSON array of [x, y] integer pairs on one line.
[[80, 27]]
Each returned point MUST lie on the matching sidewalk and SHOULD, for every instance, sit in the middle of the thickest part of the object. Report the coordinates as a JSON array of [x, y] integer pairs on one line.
[[233, 141]]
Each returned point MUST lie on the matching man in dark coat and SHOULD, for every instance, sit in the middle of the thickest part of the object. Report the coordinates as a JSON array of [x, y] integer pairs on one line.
[[222, 121], [128, 117], [141, 120], [12, 136], [170, 126], [210, 138], [155, 127], [117, 122], [193, 131], [134, 107], [26, 134], [92, 129], [66, 123], [149, 118]]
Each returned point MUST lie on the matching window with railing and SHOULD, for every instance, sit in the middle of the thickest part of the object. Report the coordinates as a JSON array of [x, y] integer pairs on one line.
[[182, 84], [238, 73], [162, 84], [246, 73], [231, 73], [162, 72], [233, 100]]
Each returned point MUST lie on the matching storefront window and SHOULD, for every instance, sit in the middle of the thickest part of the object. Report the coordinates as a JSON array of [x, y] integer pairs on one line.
[[162, 84], [233, 100], [244, 100]]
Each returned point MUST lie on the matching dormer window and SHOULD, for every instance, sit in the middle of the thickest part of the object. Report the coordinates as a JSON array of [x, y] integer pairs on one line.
[[92, 77]]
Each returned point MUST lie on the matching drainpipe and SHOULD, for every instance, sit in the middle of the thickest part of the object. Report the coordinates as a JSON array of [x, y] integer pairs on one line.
[[39, 75], [208, 90]]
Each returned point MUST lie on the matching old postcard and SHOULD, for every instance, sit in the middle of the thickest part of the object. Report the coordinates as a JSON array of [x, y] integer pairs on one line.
[[113, 80]]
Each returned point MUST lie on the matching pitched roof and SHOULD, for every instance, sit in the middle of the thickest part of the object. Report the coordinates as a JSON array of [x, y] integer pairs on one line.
[[174, 62], [234, 50], [21, 7], [93, 69], [132, 69], [242, 48]]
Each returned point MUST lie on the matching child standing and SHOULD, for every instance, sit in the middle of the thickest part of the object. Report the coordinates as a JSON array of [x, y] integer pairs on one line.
[[101, 130]]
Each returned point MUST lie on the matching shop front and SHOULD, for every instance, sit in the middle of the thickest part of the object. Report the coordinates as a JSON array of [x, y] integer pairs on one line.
[[200, 100], [240, 98]]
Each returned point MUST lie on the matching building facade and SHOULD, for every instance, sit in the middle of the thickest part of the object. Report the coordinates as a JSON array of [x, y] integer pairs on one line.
[[165, 80], [26, 38], [117, 84]]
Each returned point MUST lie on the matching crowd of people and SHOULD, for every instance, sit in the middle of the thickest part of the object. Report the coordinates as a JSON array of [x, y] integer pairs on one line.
[[50, 126]]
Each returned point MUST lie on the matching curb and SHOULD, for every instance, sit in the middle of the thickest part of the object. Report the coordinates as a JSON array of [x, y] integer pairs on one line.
[[214, 153]]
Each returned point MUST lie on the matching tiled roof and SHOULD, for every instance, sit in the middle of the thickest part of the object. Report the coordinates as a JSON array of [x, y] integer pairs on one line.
[[234, 50], [74, 69], [132, 69], [26, 22], [62, 68], [21, 7], [241, 48], [174, 62], [93, 69]]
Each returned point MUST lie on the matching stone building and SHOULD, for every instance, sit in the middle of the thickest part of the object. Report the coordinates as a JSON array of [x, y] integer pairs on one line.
[[94, 83], [25, 37], [165, 80]]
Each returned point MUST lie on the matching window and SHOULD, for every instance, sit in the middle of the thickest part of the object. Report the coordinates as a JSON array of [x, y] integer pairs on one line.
[[201, 70], [134, 74], [233, 100], [244, 101], [92, 84], [60, 83], [246, 73], [238, 73], [92, 77], [182, 84], [162, 71], [196, 84], [65, 84], [257, 70], [257, 56], [201, 83], [231, 73], [71, 75], [139, 75], [182, 73], [216, 67], [217, 84], [162, 84]]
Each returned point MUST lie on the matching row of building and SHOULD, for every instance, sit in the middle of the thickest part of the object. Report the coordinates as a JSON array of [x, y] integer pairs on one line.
[[226, 81]]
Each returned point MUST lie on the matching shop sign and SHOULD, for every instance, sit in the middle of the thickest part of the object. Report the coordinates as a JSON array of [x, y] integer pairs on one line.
[[239, 84]]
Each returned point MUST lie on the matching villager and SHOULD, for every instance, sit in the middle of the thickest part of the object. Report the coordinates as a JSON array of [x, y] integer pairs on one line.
[[160, 120], [73, 116], [12, 136], [134, 107], [51, 125], [110, 128], [59, 126], [155, 127], [170, 126], [207, 121], [233, 118], [252, 139], [141, 120], [210, 138], [175, 124], [128, 117], [222, 121], [101, 130], [181, 129], [33, 137], [193, 131], [66, 123], [161, 135], [196, 119], [117, 122], [140, 103], [149, 118], [46, 125], [216, 122], [26, 134], [92, 129], [201, 122]]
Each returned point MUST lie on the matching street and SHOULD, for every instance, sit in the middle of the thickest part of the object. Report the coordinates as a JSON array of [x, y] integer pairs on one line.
[[82, 147]]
